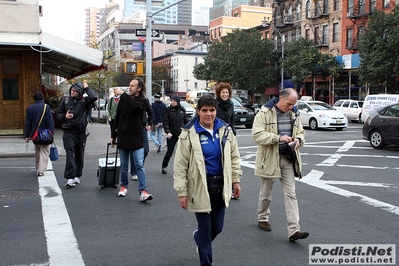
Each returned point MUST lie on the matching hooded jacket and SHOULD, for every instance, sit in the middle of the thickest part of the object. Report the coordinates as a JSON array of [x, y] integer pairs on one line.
[[265, 134], [174, 118], [190, 171], [78, 106]]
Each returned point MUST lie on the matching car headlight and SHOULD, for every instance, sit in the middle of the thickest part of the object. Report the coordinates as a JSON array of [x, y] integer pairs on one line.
[[322, 115]]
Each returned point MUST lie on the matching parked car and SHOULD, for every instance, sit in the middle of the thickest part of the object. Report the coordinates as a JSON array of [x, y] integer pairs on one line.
[[242, 115], [190, 112], [245, 102], [351, 108], [381, 126], [100, 104], [317, 114], [377, 101]]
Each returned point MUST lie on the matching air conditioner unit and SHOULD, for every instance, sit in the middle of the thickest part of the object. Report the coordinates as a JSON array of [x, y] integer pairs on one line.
[[349, 14]]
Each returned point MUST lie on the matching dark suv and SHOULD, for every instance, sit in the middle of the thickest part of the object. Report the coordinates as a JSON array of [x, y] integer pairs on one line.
[[242, 115]]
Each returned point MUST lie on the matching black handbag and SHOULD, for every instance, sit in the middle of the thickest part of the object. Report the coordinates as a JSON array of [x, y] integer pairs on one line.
[[44, 136]]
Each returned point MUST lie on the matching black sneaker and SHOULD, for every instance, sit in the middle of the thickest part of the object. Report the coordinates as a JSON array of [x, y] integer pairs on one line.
[[164, 171], [159, 148]]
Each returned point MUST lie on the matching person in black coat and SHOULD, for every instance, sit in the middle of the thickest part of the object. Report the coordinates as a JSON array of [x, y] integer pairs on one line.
[[33, 115], [128, 134], [225, 109], [175, 117], [73, 112]]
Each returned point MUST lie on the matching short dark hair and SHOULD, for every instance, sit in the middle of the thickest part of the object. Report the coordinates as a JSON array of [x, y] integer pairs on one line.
[[207, 100], [222, 86], [141, 85], [38, 96]]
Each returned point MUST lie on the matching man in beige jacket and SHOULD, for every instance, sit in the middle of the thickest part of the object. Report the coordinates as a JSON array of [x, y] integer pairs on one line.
[[278, 134]]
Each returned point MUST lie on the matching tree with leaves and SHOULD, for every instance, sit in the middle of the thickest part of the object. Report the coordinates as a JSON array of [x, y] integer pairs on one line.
[[302, 59], [379, 50], [241, 58]]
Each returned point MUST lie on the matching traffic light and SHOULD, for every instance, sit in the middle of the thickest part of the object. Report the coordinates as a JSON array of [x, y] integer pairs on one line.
[[134, 68]]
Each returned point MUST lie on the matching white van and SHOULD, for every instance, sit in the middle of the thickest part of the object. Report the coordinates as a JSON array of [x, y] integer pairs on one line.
[[376, 101]]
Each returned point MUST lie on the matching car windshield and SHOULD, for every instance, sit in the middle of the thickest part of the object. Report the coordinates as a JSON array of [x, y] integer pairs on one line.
[[235, 102], [321, 106], [338, 103]]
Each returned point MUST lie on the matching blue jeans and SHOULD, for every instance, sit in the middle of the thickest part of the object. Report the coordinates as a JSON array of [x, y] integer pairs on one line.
[[156, 136], [138, 157], [209, 226], [146, 151]]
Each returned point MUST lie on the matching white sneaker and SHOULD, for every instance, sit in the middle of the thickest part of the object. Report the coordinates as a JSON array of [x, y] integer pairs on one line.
[[122, 192], [70, 183], [77, 180], [135, 178]]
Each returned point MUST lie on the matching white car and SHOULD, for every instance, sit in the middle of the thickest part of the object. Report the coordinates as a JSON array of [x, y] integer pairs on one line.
[[317, 114], [190, 111], [351, 108]]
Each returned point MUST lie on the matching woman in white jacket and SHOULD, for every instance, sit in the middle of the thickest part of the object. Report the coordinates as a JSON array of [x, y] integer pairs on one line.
[[206, 166]]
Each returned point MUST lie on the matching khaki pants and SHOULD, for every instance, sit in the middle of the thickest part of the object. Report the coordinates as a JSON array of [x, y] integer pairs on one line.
[[291, 204], [42, 153]]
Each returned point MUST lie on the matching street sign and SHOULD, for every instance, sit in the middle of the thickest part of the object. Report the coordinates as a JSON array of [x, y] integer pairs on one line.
[[142, 32]]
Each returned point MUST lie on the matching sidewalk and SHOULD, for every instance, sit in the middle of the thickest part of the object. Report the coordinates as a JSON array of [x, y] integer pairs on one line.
[[15, 146]]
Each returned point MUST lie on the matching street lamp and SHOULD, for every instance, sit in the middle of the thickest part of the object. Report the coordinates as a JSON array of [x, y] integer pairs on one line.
[[186, 80], [266, 23]]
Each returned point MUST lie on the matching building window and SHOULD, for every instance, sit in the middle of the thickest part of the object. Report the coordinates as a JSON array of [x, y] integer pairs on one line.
[[349, 37], [307, 9], [325, 34], [350, 6], [335, 32], [297, 35], [325, 7], [298, 12], [386, 4], [373, 5], [317, 10]]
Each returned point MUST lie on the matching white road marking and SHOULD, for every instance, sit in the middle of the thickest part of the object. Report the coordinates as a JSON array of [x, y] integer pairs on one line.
[[62, 246], [313, 179]]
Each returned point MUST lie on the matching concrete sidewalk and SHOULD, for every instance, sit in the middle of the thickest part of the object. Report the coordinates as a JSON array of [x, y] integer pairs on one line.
[[15, 146]]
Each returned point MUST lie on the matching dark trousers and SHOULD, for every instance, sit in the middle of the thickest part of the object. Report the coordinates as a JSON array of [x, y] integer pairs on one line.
[[209, 226], [170, 143], [74, 145], [111, 124]]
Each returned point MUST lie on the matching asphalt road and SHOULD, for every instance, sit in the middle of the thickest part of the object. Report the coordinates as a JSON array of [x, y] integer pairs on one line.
[[349, 195]]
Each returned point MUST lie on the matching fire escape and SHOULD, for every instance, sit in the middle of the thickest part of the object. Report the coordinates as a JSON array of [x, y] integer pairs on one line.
[[359, 18], [318, 18]]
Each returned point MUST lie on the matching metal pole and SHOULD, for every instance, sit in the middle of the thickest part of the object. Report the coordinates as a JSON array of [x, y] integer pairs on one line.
[[148, 57], [282, 58]]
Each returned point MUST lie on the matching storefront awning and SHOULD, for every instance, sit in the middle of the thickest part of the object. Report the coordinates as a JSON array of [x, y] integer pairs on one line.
[[59, 56], [68, 59]]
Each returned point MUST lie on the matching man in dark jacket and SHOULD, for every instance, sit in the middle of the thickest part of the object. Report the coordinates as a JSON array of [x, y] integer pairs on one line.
[[73, 112], [174, 119], [159, 111], [128, 130], [39, 114]]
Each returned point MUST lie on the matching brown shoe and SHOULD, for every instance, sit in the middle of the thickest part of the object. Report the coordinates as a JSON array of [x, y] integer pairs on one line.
[[298, 235], [265, 226]]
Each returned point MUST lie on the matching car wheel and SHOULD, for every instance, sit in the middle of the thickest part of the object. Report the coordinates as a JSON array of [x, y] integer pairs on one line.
[[313, 124], [376, 140], [248, 126]]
